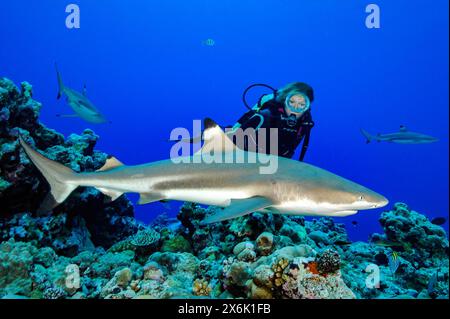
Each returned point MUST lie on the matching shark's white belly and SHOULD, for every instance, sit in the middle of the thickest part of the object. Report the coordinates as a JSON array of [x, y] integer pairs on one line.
[[308, 207], [216, 197]]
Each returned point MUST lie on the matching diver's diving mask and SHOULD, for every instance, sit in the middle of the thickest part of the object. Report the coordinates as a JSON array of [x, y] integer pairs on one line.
[[297, 109]]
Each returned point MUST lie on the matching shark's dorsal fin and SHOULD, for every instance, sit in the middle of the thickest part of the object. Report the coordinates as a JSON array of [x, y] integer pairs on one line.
[[110, 163], [403, 128], [84, 91], [215, 139]]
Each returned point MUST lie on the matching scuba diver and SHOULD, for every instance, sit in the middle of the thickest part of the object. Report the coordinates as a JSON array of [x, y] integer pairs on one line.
[[289, 110]]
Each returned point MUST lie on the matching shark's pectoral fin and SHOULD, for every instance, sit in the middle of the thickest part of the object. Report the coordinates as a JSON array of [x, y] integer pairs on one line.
[[110, 163], [146, 198], [239, 207], [112, 194]]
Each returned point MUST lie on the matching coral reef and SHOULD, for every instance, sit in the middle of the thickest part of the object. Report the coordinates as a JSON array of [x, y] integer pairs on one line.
[[293, 271], [91, 248]]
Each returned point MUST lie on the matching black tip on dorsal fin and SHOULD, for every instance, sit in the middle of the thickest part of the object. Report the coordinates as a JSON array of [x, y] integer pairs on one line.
[[209, 123]]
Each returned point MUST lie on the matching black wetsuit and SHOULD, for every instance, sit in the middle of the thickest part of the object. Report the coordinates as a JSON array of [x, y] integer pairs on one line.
[[291, 131]]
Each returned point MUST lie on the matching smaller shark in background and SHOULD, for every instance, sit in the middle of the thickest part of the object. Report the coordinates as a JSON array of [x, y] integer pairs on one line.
[[403, 136], [81, 105]]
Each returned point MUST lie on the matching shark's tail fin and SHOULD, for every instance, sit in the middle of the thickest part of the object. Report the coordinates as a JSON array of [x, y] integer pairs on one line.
[[368, 137], [60, 82], [62, 179]]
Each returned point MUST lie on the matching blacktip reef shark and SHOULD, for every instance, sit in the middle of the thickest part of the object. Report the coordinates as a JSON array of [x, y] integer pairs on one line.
[[403, 136], [79, 102], [296, 188]]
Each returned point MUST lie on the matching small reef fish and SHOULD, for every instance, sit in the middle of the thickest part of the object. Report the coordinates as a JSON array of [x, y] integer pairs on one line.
[[439, 221], [295, 188], [403, 136], [81, 105], [432, 283], [394, 245], [386, 243], [209, 42], [394, 262]]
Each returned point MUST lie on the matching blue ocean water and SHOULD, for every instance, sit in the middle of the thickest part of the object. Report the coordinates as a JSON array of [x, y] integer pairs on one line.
[[147, 66]]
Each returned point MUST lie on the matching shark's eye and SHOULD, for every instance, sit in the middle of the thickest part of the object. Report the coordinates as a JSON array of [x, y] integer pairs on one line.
[[361, 197]]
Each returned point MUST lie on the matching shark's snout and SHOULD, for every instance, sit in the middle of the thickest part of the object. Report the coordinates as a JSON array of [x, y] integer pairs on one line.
[[383, 202], [373, 200]]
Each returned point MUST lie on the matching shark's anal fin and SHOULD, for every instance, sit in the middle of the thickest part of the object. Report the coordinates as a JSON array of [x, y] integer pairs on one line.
[[110, 163], [112, 194], [146, 198], [239, 207]]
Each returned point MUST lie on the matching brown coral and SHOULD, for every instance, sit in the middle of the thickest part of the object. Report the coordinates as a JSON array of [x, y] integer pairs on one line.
[[201, 287], [278, 268], [264, 243]]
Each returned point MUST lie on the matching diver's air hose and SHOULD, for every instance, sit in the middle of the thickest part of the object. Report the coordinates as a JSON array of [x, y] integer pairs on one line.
[[244, 95]]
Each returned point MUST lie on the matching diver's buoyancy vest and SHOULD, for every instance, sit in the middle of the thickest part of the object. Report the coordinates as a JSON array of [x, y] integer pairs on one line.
[[290, 130]]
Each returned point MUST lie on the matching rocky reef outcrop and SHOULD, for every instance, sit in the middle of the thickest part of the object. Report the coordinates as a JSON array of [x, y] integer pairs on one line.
[[91, 248], [85, 219]]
